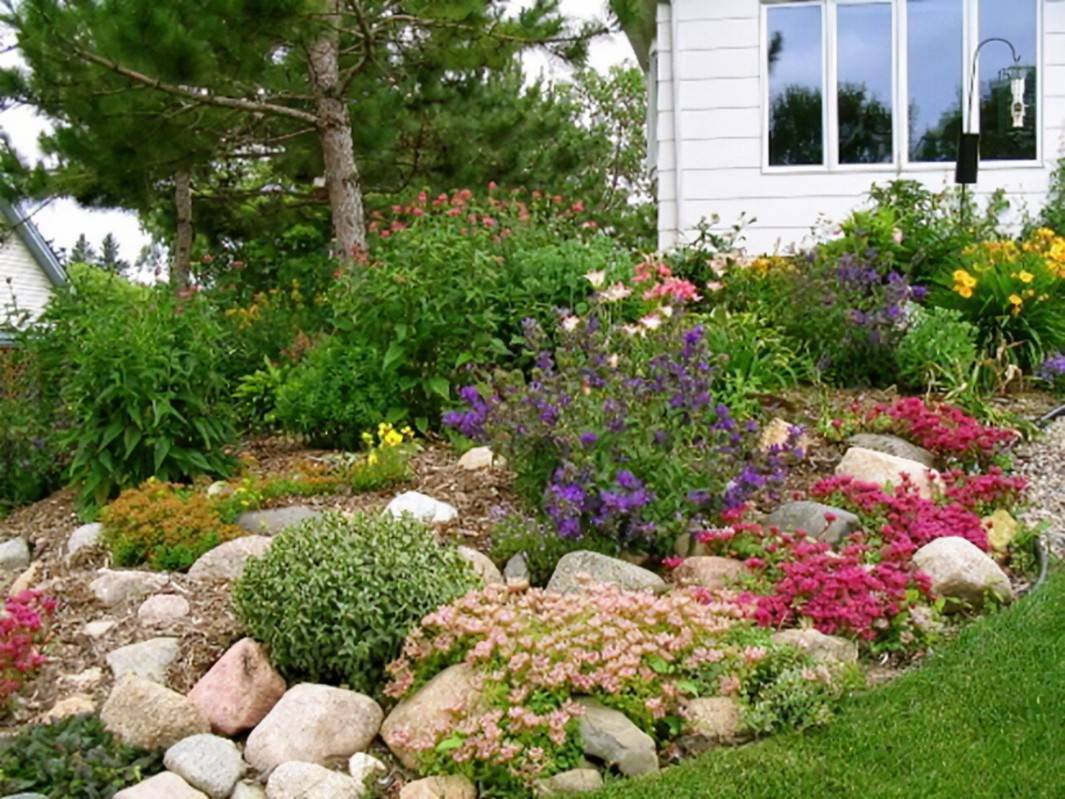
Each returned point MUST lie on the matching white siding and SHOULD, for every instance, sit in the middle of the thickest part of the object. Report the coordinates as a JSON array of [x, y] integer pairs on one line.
[[709, 126], [20, 275]]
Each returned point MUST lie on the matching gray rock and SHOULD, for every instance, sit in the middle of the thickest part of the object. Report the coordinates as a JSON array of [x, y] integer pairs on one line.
[[452, 787], [150, 659], [272, 522], [98, 628], [226, 561], [601, 569], [313, 724], [85, 537], [14, 555], [713, 720], [161, 786], [810, 517], [870, 466], [709, 571], [893, 445], [517, 569], [482, 564], [608, 735], [248, 790], [962, 573], [145, 714], [576, 780], [207, 762], [297, 780], [827, 649], [162, 610], [112, 587], [422, 507], [366, 769]]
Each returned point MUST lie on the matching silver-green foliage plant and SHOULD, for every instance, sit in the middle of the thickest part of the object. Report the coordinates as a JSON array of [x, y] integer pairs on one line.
[[335, 596], [938, 351]]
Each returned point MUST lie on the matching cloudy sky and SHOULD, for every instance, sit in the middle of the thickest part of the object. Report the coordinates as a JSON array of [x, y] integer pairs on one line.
[[63, 220]]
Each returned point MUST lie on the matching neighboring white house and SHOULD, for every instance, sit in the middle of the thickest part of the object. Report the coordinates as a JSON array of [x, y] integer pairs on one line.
[[789, 111], [29, 270]]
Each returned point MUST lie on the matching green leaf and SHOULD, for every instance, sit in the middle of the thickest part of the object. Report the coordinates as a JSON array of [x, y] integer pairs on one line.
[[439, 386], [162, 449], [659, 665], [449, 743]]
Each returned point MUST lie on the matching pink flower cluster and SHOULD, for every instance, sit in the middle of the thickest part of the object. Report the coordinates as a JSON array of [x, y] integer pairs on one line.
[[23, 626], [663, 284], [944, 429]]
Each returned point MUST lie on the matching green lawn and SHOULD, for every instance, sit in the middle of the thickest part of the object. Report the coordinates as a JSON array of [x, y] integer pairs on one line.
[[984, 718]]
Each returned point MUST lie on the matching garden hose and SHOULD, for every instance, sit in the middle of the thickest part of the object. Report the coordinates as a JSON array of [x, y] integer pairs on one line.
[[1042, 552], [1050, 416]]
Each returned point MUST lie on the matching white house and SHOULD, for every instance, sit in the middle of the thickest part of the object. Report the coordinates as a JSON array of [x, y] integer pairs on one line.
[[29, 270], [789, 110]]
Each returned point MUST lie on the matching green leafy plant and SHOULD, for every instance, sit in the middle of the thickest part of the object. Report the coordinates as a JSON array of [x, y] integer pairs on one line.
[[163, 525], [72, 757], [938, 351], [334, 597]]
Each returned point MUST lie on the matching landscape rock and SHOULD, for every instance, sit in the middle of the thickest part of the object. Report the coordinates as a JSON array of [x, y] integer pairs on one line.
[[226, 561], [714, 720], [74, 705], [478, 458], [25, 796], [366, 769], [709, 572], [813, 519], [165, 785], [893, 445], [271, 522], [432, 706], [826, 649], [248, 790], [85, 537], [98, 628], [576, 780], [145, 714], [313, 723], [961, 572], [112, 587], [162, 610], [422, 507], [85, 680], [601, 569], [608, 735], [516, 571], [239, 689], [684, 543], [219, 488], [26, 580], [870, 466], [207, 762], [150, 659], [777, 433], [297, 780], [14, 555], [452, 787], [482, 564], [1001, 529]]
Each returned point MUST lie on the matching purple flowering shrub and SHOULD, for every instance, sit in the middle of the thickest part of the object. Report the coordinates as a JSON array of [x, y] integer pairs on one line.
[[616, 435], [1052, 372]]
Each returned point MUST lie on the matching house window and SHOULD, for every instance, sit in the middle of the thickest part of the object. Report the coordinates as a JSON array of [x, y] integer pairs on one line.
[[935, 62], [865, 91], [795, 55], [1016, 22]]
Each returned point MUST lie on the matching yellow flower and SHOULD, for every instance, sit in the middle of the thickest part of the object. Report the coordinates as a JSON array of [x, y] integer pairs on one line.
[[367, 439], [964, 291], [963, 278], [392, 439], [1025, 277], [371, 459], [1017, 302]]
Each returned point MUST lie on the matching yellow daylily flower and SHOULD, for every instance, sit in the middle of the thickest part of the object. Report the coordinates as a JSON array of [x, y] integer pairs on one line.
[[1025, 276]]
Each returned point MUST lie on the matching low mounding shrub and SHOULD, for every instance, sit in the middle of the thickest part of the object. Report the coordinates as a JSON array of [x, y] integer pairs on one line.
[[163, 525], [72, 757], [334, 597], [138, 375], [535, 653], [23, 628], [938, 351]]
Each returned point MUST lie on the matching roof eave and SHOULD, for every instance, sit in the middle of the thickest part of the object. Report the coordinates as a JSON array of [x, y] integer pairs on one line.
[[35, 243]]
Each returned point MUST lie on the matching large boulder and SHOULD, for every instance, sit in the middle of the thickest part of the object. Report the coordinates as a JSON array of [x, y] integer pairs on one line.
[[239, 689], [145, 714], [817, 520], [313, 723], [893, 445], [207, 762], [432, 707], [422, 507], [271, 522], [608, 735], [150, 659], [226, 561], [14, 555], [451, 787], [162, 786], [710, 572], [826, 649], [870, 466], [962, 573], [162, 610], [112, 587], [482, 564], [574, 566], [297, 780]]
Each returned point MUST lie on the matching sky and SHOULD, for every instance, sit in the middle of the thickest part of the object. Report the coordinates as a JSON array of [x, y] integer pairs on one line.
[[62, 221]]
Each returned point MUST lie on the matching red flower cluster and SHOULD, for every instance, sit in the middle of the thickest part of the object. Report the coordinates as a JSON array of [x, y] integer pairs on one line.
[[22, 630], [944, 429]]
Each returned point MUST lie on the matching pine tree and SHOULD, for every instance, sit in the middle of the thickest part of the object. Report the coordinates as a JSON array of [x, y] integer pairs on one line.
[[109, 256], [82, 252]]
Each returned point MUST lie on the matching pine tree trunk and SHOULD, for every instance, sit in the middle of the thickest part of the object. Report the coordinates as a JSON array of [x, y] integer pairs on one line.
[[179, 269], [334, 131]]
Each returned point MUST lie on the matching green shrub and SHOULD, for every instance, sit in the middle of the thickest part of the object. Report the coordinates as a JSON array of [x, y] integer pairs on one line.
[[73, 757], [938, 351], [138, 375], [164, 525], [1053, 214], [334, 597]]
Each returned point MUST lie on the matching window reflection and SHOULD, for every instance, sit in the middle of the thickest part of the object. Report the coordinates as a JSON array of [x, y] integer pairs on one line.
[[796, 77], [1016, 22], [935, 78], [864, 89]]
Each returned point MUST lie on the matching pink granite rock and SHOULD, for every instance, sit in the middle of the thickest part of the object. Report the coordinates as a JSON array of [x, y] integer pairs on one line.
[[239, 690]]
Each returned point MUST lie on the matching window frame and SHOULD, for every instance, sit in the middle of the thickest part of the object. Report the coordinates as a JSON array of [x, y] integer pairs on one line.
[[900, 160]]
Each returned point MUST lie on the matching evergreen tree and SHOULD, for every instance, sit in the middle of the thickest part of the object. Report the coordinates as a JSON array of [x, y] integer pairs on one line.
[[109, 256], [82, 252]]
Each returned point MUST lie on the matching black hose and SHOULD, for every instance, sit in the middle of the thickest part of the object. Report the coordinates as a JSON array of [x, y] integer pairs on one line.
[[1049, 417]]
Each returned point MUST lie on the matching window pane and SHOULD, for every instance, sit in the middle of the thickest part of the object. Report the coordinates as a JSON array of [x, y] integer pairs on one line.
[[796, 77], [935, 78], [865, 69], [1015, 21]]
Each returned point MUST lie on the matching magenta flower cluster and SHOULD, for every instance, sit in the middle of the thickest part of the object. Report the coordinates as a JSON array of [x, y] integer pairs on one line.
[[23, 627], [944, 429]]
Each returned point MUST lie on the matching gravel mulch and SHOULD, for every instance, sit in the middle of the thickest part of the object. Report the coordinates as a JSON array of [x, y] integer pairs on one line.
[[1042, 461]]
